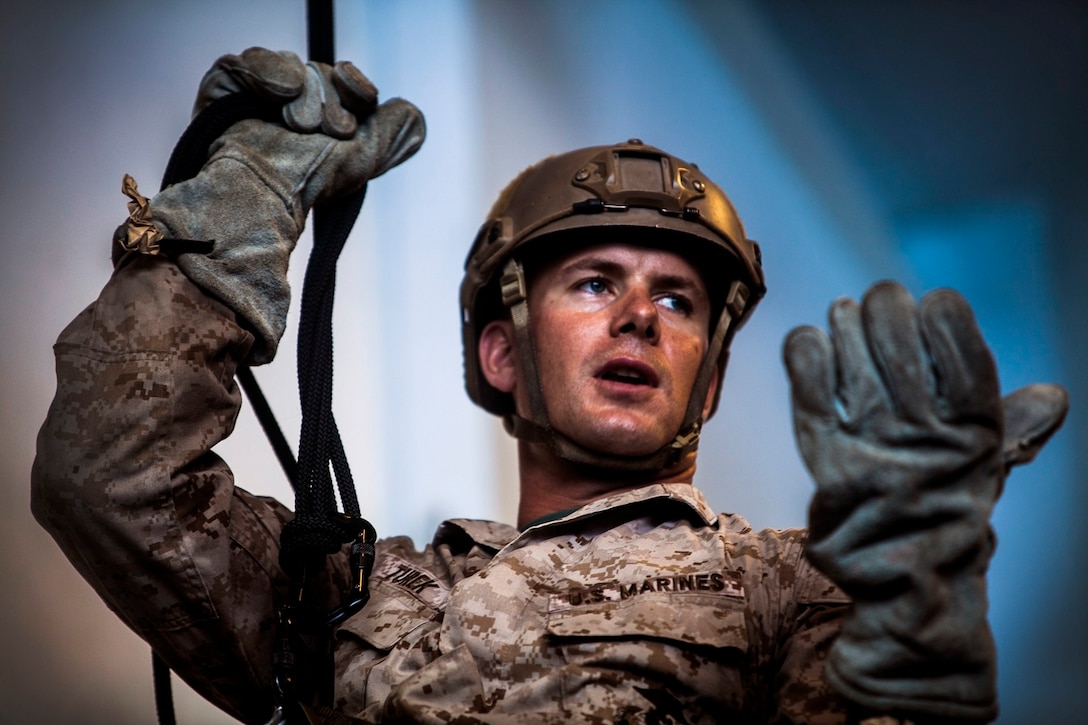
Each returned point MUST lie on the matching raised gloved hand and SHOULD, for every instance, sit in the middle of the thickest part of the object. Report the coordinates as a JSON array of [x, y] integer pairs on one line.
[[899, 419], [261, 179]]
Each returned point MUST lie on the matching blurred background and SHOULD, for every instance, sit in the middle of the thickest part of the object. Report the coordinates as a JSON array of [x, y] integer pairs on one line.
[[937, 143]]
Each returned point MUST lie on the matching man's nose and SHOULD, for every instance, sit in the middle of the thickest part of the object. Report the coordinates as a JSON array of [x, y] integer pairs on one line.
[[636, 313]]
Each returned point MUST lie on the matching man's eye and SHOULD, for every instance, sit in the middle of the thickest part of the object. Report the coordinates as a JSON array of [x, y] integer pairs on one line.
[[676, 303], [596, 286]]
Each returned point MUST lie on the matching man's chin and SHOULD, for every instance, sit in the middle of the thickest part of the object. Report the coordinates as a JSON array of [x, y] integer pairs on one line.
[[622, 438]]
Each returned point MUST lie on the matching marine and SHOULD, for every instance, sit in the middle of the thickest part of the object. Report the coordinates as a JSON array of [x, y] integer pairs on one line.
[[600, 299]]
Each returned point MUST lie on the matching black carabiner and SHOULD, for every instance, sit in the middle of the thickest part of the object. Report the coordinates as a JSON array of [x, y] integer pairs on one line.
[[362, 564]]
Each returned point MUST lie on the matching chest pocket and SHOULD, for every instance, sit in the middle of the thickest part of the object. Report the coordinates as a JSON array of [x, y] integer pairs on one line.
[[389, 617], [663, 657], [694, 619]]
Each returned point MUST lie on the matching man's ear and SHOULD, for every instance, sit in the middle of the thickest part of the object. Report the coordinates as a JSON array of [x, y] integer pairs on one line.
[[712, 390], [498, 358]]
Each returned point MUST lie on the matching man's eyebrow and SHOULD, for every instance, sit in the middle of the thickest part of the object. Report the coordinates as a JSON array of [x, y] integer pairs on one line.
[[591, 264], [606, 266]]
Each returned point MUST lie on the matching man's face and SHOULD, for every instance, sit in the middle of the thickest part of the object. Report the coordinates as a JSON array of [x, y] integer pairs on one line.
[[620, 332]]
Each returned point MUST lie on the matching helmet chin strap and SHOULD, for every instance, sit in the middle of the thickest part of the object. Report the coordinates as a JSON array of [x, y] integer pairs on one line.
[[537, 428]]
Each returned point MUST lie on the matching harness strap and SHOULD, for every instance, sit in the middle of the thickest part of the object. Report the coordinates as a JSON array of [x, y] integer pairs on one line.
[[515, 296]]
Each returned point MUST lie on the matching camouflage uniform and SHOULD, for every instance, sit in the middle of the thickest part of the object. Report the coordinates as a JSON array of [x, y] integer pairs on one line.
[[644, 607]]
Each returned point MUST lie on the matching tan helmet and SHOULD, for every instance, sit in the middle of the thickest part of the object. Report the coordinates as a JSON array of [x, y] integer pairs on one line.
[[588, 195]]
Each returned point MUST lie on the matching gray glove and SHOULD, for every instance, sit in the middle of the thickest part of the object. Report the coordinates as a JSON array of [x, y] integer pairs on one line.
[[261, 179], [315, 96], [899, 419]]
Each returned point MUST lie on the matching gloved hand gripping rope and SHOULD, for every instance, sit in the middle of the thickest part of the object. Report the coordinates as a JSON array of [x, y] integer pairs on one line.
[[243, 177]]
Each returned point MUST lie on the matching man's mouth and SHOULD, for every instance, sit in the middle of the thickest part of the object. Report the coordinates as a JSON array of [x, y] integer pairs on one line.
[[628, 372]]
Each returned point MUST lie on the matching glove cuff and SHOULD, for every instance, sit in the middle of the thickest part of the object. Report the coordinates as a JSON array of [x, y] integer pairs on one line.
[[912, 655], [253, 234], [915, 701]]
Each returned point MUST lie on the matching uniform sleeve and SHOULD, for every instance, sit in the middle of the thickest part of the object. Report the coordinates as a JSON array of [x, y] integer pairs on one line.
[[799, 612], [802, 692], [813, 611], [126, 483]]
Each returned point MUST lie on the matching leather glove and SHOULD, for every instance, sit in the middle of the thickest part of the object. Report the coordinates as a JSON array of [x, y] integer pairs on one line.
[[315, 96], [899, 420], [261, 179]]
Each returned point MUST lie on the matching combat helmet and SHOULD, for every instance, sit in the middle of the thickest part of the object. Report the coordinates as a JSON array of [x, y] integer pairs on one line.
[[581, 195]]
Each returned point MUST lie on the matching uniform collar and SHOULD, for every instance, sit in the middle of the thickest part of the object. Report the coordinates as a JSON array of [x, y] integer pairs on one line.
[[460, 534], [681, 493]]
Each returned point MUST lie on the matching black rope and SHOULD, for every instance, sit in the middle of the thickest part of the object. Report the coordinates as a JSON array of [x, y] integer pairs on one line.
[[318, 529], [320, 39], [164, 696]]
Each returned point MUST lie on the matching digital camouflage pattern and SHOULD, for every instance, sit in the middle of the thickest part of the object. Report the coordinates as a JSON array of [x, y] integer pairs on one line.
[[644, 607], [638, 608]]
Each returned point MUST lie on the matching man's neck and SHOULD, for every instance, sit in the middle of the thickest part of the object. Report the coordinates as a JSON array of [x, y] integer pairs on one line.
[[550, 484]]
